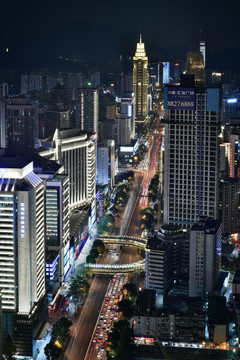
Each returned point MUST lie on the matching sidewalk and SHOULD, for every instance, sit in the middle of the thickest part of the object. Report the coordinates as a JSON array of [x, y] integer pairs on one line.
[[64, 291]]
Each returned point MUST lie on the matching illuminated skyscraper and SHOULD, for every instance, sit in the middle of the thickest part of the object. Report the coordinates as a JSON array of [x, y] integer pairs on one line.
[[22, 250], [195, 65], [0, 326], [87, 109], [127, 109], [203, 51], [75, 150], [192, 153], [140, 81]]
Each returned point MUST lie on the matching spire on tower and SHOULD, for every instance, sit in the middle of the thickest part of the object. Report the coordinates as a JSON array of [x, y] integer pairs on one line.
[[140, 38]]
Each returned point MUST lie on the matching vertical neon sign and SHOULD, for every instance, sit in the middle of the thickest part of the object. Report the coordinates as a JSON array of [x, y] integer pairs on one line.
[[22, 221], [231, 163]]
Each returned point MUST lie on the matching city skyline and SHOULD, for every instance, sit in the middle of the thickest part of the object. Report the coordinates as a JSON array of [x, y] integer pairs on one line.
[[119, 180], [53, 29]]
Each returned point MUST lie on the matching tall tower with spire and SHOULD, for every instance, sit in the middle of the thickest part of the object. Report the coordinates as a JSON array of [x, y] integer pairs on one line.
[[140, 81]]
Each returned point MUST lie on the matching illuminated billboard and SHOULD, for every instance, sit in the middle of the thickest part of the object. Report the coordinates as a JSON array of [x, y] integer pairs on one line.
[[231, 101], [166, 72], [126, 149], [181, 98]]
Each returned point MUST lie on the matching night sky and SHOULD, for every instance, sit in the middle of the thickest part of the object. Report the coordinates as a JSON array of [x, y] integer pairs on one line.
[[53, 28]]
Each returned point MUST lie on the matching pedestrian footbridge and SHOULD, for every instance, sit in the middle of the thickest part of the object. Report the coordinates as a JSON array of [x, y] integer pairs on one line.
[[124, 240], [116, 268]]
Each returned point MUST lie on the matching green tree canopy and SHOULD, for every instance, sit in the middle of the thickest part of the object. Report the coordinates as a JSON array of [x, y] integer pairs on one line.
[[124, 347], [131, 289], [126, 307], [99, 245], [146, 211], [79, 286], [60, 330], [114, 336], [94, 253], [90, 259], [51, 351]]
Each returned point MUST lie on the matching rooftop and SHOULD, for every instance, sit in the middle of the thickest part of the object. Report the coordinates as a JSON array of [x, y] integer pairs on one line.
[[154, 243], [13, 162], [207, 225]]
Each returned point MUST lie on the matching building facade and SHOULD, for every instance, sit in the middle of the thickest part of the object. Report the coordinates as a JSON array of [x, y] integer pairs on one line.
[[22, 248], [171, 322], [127, 109], [204, 257], [58, 221], [19, 124], [87, 112], [167, 259], [158, 265], [75, 150], [192, 153], [229, 204], [106, 163], [195, 65]]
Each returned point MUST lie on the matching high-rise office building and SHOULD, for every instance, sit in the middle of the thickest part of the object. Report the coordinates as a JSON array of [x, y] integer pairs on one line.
[[204, 257], [22, 249], [140, 81], [87, 112], [1, 338], [195, 66], [75, 150], [230, 108], [191, 157], [124, 130], [56, 118], [167, 259], [166, 72], [203, 51], [19, 123], [106, 163], [57, 220], [176, 73], [127, 109], [229, 205], [158, 265]]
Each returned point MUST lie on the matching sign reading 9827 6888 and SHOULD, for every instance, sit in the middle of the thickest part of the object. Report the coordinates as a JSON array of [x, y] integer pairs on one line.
[[181, 99]]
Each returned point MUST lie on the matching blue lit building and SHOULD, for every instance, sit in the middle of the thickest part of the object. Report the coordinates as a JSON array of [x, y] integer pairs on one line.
[[230, 108]]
